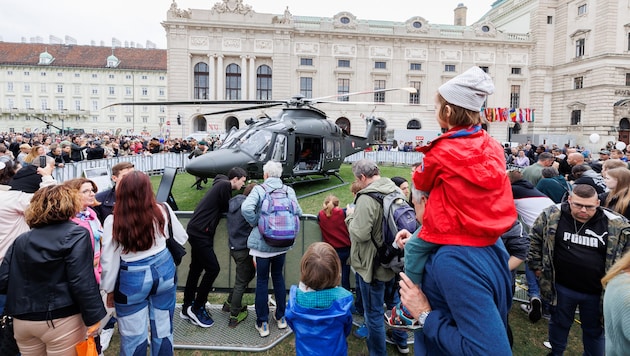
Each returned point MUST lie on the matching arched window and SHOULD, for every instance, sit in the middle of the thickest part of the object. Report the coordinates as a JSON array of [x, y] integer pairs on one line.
[[231, 122], [202, 80], [233, 82], [414, 124], [200, 123], [624, 124], [344, 124], [263, 82]]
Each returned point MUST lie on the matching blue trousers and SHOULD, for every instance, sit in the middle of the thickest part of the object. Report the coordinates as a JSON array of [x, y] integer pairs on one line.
[[562, 316], [145, 292], [274, 265]]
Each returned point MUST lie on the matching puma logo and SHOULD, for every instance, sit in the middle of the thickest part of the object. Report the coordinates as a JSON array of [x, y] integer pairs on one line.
[[599, 237]]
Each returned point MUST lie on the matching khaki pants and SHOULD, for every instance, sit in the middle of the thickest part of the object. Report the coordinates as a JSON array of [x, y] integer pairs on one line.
[[40, 338]]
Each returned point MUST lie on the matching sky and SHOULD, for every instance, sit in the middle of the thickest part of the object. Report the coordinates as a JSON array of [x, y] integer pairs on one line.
[[139, 20]]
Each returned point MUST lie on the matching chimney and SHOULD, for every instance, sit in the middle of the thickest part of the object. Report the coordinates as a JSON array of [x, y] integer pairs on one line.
[[71, 41], [460, 15], [54, 40]]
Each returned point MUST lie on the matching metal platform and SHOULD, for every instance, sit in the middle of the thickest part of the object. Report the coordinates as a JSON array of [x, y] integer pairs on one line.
[[219, 336]]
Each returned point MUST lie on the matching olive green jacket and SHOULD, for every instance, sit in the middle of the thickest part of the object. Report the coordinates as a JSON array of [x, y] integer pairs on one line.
[[364, 223], [543, 236]]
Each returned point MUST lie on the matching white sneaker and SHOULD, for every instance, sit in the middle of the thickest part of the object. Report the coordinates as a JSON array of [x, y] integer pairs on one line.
[[525, 308], [282, 322], [106, 338], [263, 329], [547, 344]]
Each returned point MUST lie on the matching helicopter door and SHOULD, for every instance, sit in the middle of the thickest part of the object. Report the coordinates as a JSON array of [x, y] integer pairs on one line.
[[308, 154], [332, 154]]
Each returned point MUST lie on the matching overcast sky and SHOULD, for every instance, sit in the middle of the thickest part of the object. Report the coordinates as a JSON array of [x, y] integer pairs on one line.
[[139, 20]]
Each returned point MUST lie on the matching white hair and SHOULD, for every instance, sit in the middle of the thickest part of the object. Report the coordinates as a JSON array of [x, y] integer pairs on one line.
[[273, 169]]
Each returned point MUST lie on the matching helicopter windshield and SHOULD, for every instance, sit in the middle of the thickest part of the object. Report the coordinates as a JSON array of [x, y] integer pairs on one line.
[[256, 142], [232, 136]]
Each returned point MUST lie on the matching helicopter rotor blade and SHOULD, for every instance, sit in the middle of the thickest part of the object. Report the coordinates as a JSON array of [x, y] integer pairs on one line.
[[196, 102], [269, 105], [364, 103], [319, 100]]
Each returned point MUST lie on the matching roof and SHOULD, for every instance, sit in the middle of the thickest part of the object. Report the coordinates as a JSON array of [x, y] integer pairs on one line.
[[82, 56]]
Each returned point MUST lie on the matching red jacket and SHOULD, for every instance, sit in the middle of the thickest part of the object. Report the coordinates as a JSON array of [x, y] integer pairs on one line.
[[470, 197], [334, 229]]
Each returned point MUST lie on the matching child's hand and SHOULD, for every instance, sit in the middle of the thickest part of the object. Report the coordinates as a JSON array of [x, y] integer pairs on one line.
[[402, 237]]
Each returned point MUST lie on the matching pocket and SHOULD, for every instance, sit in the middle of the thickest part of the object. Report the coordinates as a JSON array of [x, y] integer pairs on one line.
[[130, 286]]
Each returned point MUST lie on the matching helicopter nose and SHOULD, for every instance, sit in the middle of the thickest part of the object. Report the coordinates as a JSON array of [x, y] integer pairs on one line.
[[216, 162]]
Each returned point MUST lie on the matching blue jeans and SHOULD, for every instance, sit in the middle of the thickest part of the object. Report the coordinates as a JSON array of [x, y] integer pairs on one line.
[[263, 267], [532, 283], [146, 291], [373, 295], [344, 254], [562, 316]]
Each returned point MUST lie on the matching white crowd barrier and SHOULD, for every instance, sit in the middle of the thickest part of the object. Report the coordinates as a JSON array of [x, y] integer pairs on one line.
[[394, 158]]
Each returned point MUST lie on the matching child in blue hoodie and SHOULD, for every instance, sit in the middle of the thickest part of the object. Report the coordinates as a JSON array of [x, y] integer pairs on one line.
[[318, 311]]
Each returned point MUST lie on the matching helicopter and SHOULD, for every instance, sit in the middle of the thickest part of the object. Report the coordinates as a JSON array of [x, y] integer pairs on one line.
[[300, 137]]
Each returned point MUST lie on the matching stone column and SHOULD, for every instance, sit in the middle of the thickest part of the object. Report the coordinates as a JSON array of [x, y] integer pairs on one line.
[[212, 77], [244, 81], [252, 78], [220, 78]]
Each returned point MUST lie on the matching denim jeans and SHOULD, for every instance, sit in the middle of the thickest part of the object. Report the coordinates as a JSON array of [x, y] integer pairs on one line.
[[245, 272], [146, 291], [373, 295], [344, 254], [274, 265], [532, 283], [562, 316]]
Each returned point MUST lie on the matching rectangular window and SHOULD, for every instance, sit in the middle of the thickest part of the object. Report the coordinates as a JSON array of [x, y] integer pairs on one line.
[[77, 105], [43, 74], [11, 103], [145, 108], [128, 118], [26, 74], [579, 47], [576, 117], [628, 41], [549, 20], [59, 104], [94, 118], [112, 118], [145, 91], [95, 105], [60, 74], [380, 96], [343, 87], [77, 90], [127, 91], [9, 72], [161, 77], [578, 82], [44, 104], [145, 119], [27, 87], [515, 96], [628, 79], [112, 91], [77, 75], [415, 66], [60, 88], [27, 103], [128, 76], [306, 87], [10, 86], [306, 61], [94, 90], [582, 9], [343, 63], [516, 71], [380, 65], [111, 76], [449, 67], [94, 75], [161, 91], [414, 98]]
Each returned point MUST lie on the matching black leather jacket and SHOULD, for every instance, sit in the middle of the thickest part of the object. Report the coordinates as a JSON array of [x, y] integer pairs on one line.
[[48, 274]]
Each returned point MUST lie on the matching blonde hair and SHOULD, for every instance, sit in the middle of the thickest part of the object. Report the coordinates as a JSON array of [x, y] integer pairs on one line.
[[30, 157], [619, 267], [614, 163], [621, 192], [330, 203], [320, 267]]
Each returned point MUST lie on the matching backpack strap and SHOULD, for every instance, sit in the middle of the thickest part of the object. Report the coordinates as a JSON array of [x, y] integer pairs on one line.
[[379, 198]]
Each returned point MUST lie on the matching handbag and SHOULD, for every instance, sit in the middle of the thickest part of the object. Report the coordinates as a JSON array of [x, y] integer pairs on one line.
[[8, 345], [87, 347], [177, 251]]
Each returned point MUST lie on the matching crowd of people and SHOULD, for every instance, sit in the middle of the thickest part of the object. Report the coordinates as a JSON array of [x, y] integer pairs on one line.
[[71, 255]]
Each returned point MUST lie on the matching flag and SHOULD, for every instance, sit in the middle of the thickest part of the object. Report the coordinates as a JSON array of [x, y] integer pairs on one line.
[[513, 114]]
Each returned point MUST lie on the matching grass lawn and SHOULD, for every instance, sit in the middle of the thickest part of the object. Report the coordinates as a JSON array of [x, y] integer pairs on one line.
[[528, 337]]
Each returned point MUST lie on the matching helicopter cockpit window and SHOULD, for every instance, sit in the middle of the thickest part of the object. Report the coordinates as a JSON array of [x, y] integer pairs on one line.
[[232, 136], [337, 149], [256, 143], [279, 152]]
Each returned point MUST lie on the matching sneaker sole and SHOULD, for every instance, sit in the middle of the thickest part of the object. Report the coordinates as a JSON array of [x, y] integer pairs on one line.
[[195, 321], [387, 317], [535, 312]]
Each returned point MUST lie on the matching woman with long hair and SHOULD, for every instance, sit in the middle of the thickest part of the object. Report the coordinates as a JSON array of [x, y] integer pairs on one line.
[[47, 275], [617, 307], [36, 151], [618, 197], [138, 270]]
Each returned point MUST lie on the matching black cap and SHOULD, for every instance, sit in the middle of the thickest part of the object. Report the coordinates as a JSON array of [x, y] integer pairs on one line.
[[26, 180]]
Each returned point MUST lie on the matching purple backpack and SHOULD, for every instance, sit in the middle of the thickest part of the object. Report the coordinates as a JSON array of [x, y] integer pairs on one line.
[[278, 222]]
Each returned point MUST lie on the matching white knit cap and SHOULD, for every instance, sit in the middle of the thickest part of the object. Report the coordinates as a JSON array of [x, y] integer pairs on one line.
[[469, 89]]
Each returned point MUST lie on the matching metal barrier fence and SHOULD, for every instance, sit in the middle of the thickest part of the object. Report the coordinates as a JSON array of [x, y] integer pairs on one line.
[[155, 164]]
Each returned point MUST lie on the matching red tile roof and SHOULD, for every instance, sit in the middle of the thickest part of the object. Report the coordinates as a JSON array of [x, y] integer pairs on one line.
[[82, 56]]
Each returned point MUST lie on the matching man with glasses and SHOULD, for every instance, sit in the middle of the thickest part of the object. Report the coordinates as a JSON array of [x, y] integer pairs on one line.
[[572, 246]]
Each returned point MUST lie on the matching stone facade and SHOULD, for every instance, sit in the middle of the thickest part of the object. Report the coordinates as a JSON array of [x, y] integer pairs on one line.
[[327, 56]]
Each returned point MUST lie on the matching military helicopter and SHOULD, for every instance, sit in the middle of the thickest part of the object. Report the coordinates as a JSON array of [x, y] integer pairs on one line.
[[300, 137]]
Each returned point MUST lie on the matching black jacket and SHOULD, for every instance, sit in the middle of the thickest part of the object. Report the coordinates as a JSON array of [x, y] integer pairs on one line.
[[209, 211], [107, 198], [48, 274]]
